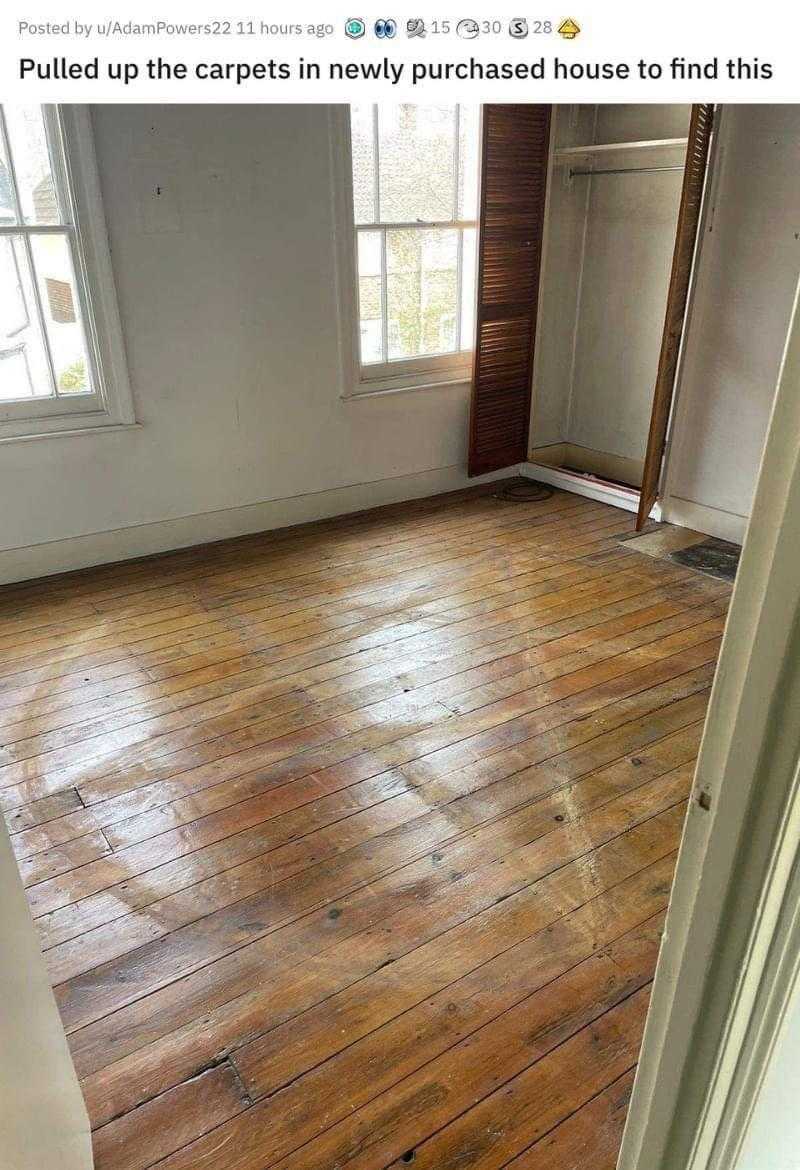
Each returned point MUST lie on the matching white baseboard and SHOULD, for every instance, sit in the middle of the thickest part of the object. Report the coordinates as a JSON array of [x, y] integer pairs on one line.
[[605, 493], [121, 544], [713, 521]]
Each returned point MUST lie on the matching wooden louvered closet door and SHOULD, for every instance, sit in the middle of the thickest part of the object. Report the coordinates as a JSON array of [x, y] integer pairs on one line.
[[513, 187], [694, 176]]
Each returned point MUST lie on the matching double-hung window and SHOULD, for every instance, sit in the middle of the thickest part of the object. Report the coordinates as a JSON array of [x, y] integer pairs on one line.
[[414, 216], [61, 359]]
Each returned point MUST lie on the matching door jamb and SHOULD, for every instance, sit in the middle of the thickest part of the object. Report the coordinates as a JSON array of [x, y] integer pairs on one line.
[[730, 946]]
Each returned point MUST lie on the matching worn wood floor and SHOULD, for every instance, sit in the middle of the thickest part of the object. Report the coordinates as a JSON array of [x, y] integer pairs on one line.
[[350, 846]]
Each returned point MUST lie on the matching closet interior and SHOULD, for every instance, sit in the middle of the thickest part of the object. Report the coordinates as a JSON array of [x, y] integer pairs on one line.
[[615, 179]]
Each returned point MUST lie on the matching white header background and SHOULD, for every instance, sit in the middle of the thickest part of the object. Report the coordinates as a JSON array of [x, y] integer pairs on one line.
[[613, 32]]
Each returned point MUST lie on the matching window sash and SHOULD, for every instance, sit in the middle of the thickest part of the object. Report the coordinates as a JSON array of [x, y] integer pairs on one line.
[[56, 403], [423, 369], [457, 357]]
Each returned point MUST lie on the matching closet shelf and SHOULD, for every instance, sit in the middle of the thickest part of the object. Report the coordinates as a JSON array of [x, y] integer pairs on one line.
[[569, 154]]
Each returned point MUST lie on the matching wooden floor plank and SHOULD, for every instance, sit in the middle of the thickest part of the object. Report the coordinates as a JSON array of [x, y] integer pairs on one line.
[[179, 730], [238, 1026], [358, 921], [98, 909], [27, 653], [453, 966], [134, 855], [223, 840], [29, 736], [91, 913], [540, 1096], [133, 618], [170, 1121], [421, 1100], [26, 717], [589, 1139], [349, 844], [450, 608], [451, 673]]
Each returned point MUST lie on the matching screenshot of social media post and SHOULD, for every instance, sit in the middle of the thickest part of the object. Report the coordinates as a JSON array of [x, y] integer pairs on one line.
[[399, 432]]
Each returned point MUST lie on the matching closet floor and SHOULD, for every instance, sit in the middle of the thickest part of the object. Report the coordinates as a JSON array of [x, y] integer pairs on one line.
[[350, 845], [684, 546]]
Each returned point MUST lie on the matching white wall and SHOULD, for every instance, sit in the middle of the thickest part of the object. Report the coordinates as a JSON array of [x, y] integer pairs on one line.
[[230, 324], [641, 123], [560, 285], [746, 279], [630, 238], [229, 317], [43, 1120]]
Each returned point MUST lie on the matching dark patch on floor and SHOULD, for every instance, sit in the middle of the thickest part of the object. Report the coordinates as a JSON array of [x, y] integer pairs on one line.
[[718, 558]]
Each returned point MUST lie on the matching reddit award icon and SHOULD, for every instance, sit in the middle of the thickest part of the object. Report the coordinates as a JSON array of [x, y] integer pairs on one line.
[[569, 29]]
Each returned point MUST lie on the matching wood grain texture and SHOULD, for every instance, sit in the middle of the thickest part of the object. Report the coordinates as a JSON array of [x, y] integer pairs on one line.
[[701, 124], [515, 142], [350, 844]]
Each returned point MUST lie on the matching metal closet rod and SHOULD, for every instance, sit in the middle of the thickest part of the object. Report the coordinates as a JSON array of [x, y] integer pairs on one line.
[[620, 171]]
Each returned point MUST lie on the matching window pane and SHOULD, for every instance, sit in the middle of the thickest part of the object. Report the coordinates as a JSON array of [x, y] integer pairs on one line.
[[369, 296], [24, 372], [469, 264], [61, 309], [363, 144], [469, 146], [29, 150], [417, 163], [421, 292]]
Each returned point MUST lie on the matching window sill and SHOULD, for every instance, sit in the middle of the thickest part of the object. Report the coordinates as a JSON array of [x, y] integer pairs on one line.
[[385, 391], [96, 429]]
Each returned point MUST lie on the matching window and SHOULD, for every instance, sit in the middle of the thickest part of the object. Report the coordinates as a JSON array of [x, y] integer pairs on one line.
[[61, 358], [414, 213]]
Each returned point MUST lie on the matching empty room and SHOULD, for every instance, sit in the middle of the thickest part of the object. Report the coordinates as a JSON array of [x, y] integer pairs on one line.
[[375, 480]]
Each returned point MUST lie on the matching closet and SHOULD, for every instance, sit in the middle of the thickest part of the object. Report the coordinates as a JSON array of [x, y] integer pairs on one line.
[[598, 207]]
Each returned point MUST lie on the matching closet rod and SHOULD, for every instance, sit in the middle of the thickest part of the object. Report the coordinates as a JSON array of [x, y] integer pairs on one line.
[[573, 173]]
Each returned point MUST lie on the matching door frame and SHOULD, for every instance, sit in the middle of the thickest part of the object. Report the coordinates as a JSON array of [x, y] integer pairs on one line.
[[732, 935]]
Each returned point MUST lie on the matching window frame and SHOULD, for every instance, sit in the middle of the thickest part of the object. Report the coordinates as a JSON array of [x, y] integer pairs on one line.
[[433, 371], [110, 405]]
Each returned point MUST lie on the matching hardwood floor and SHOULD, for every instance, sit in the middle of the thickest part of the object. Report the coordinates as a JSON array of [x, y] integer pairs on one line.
[[350, 845]]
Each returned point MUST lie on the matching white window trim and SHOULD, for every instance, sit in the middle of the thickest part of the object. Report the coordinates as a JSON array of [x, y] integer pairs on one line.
[[111, 407], [441, 371]]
